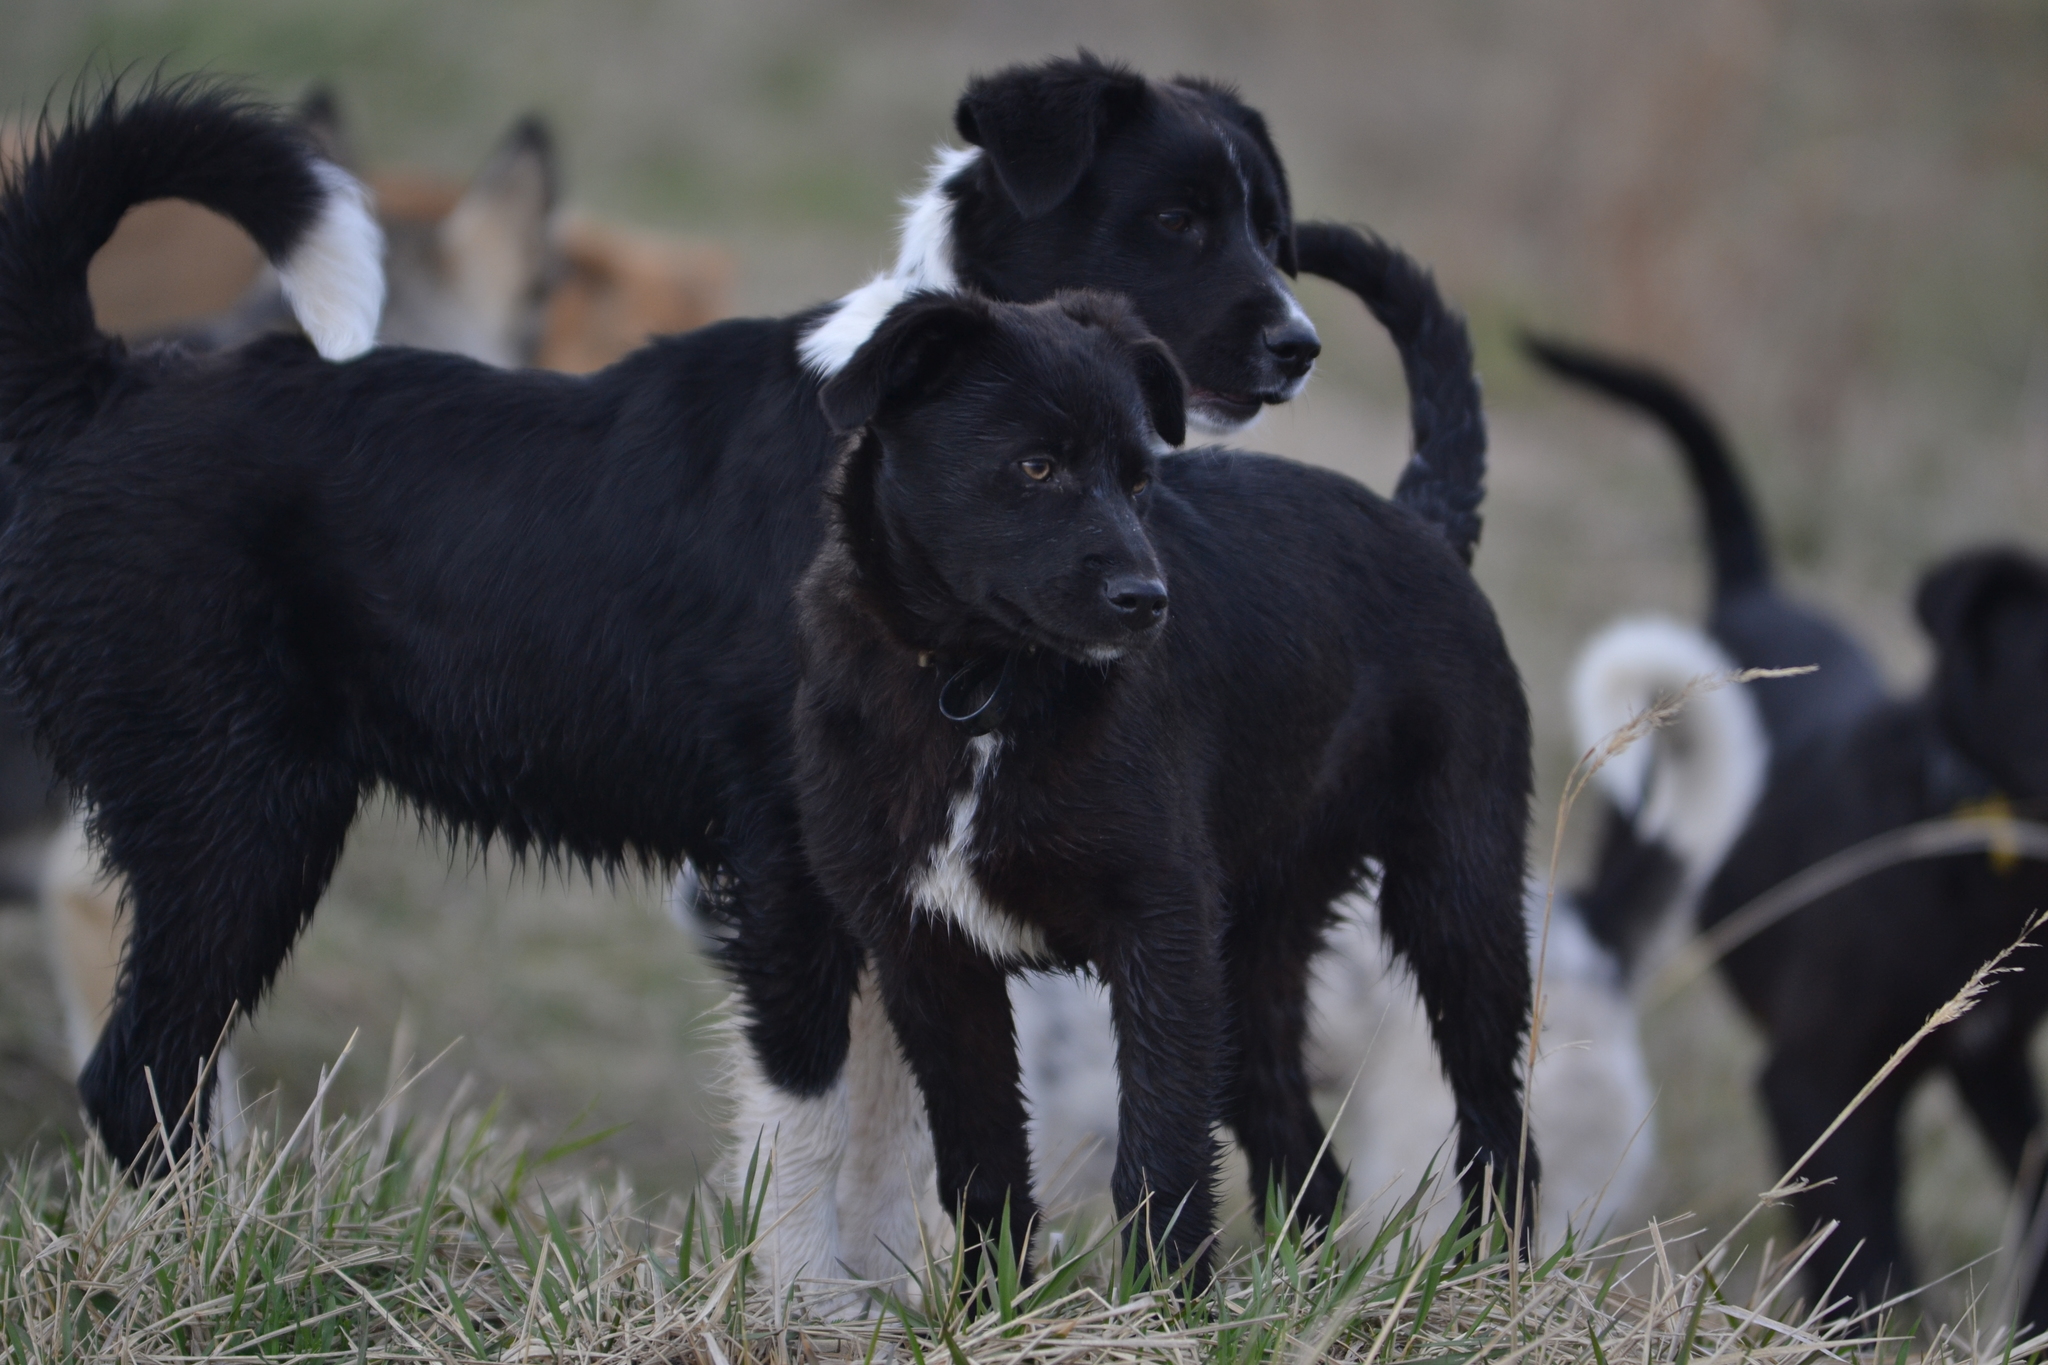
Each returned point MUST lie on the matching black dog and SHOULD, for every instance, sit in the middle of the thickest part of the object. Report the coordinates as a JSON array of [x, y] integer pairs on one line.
[[1067, 702], [1841, 984], [241, 590]]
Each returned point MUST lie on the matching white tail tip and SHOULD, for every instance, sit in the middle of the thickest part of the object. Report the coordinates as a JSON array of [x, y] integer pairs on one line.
[[334, 276]]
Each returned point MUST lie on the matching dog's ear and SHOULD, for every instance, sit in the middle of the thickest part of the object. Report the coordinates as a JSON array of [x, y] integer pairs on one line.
[[319, 116], [917, 346], [1040, 125], [1164, 387]]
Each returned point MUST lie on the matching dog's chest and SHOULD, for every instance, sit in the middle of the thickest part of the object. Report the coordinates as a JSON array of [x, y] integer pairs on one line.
[[946, 886]]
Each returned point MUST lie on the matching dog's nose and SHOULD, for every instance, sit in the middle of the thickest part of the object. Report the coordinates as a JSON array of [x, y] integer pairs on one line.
[[1294, 344], [1139, 601]]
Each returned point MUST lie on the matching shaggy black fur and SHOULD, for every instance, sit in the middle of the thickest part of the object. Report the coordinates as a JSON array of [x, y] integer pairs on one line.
[[1841, 984], [241, 590], [1199, 693]]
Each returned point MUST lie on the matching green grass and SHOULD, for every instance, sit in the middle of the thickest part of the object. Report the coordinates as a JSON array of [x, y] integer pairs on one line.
[[443, 1239]]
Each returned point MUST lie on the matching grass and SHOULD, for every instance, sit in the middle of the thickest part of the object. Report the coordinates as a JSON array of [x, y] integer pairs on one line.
[[451, 1238], [380, 1238]]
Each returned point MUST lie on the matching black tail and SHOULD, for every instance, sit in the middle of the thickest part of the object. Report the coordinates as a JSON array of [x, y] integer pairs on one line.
[[1446, 476], [182, 141], [1736, 541]]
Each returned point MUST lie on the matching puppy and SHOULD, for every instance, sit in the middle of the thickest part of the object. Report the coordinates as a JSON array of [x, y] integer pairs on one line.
[[1066, 703], [240, 590], [1370, 1054], [1841, 983]]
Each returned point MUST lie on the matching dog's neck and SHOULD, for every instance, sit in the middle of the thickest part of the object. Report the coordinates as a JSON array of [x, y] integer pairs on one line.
[[924, 261]]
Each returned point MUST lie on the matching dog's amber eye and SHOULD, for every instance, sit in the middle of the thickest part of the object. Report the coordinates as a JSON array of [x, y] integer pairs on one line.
[[1140, 486], [1175, 220], [1037, 467]]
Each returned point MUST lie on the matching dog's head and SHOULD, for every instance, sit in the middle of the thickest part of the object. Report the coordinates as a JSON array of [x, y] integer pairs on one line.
[[1168, 192], [1987, 612], [995, 496]]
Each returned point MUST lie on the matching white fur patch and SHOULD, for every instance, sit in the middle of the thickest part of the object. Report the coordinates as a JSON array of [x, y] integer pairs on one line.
[[947, 889], [794, 1145], [1067, 1047], [890, 1217], [334, 275], [1692, 784], [924, 260]]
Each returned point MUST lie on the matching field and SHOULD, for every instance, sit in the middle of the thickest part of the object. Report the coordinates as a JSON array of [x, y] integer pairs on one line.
[[1830, 217]]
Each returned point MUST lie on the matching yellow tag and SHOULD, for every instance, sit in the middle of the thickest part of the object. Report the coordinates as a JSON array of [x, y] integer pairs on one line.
[[2004, 852]]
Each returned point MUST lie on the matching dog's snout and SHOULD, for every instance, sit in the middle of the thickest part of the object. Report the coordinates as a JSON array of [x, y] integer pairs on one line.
[[1139, 601], [1294, 344]]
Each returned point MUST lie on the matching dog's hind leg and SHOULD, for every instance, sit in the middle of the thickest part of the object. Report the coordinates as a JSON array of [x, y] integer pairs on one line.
[[1268, 1104], [1853, 1180], [220, 883], [1451, 905], [1998, 1085]]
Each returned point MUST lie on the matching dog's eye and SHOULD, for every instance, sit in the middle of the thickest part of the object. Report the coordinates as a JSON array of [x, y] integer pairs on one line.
[[1175, 220], [1038, 467], [1140, 486]]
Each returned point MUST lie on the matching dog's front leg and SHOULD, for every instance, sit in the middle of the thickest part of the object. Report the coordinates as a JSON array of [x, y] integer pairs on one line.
[[1166, 996], [950, 1006]]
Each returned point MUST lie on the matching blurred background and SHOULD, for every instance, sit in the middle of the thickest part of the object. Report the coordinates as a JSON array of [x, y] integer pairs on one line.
[[1830, 217]]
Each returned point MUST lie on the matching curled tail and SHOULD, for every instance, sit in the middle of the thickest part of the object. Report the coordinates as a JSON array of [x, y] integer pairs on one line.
[[187, 140], [1446, 476], [1735, 540], [1680, 796], [1691, 784]]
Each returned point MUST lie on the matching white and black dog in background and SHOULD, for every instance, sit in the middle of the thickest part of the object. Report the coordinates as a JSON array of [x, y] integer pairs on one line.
[[1067, 703], [240, 591], [1843, 982]]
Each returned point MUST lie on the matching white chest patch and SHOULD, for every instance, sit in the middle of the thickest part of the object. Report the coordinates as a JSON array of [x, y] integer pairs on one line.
[[947, 888]]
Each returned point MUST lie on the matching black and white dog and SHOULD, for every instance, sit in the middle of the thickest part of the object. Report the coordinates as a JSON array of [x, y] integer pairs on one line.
[[239, 591], [1065, 702], [1840, 984]]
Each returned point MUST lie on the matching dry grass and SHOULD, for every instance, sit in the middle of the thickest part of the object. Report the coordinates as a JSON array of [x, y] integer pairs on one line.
[[382, 1238]]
